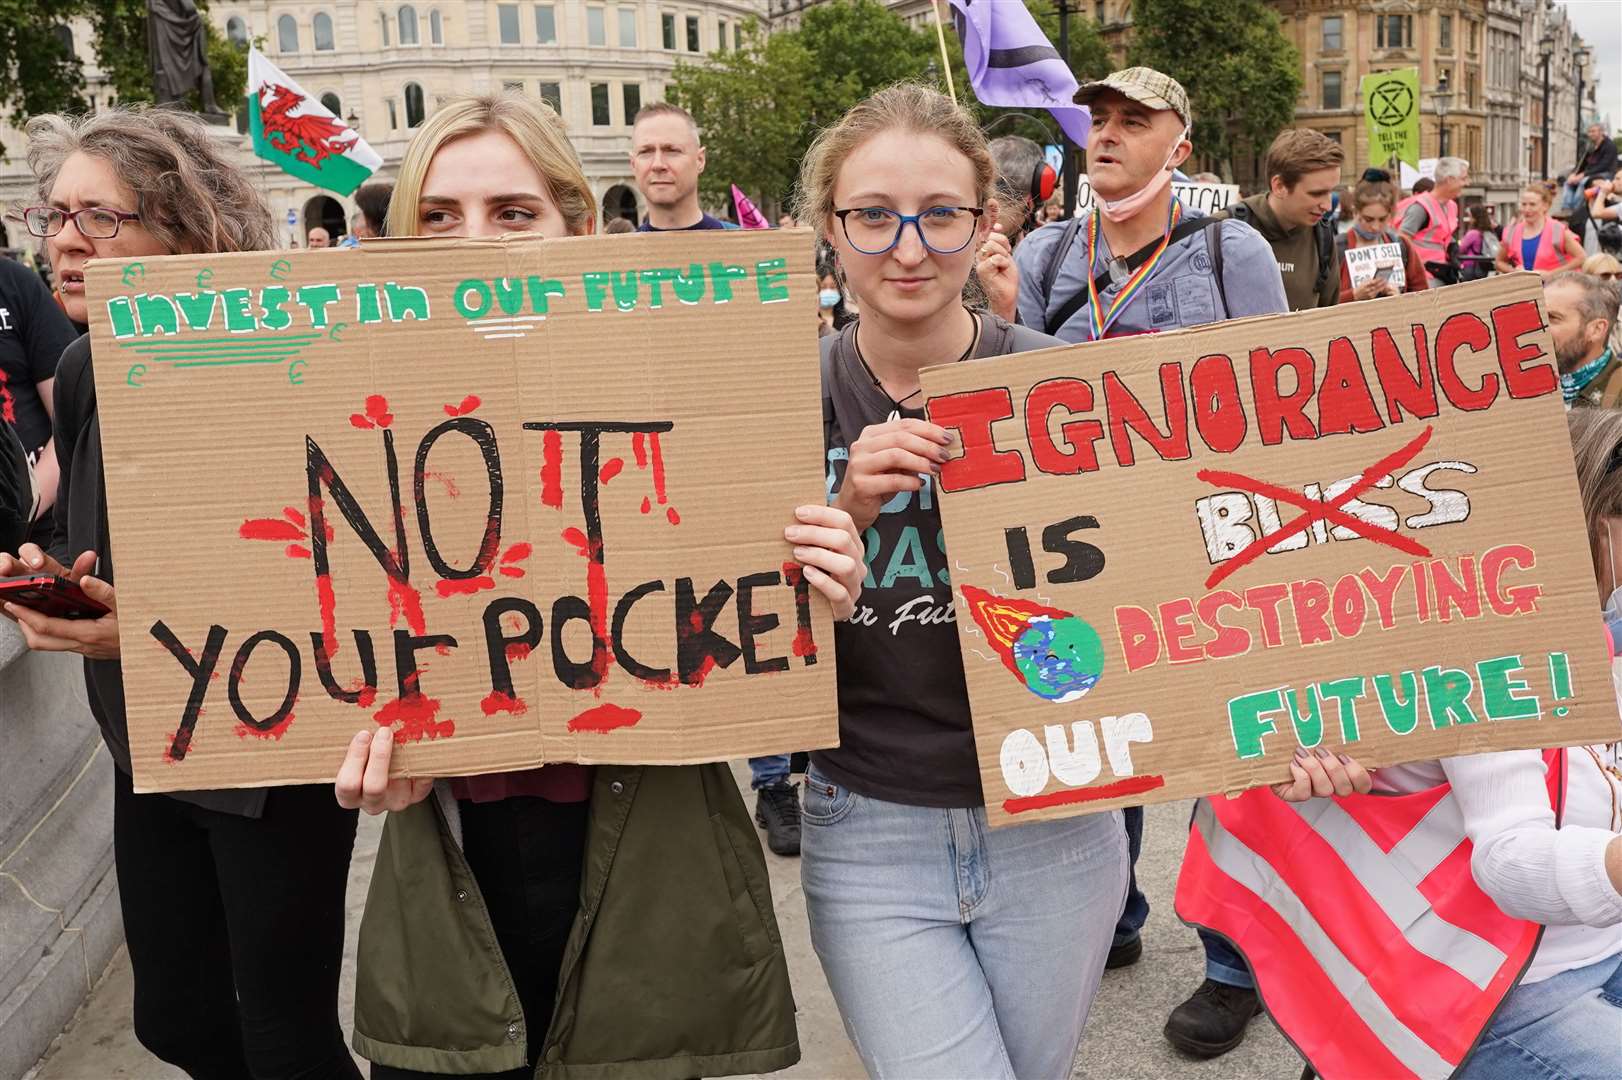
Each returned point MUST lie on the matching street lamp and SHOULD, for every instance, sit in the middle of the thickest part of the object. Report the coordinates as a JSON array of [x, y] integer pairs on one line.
[[352, 120], [1581, 59], [1546, 47], [1444, 98]]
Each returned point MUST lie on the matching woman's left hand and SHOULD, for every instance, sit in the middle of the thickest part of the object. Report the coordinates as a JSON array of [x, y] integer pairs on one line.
[[827, 545], [1320, 774], [95, 639]]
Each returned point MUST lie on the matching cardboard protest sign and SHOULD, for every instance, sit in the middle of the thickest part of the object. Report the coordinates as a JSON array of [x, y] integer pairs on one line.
[[1371, 260], [1208, 198], [522, 500], [1177, 558]]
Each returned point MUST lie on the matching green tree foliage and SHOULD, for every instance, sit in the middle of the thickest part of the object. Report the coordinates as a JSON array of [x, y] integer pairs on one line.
[[121, 52], [38, 72], [1241, 73], [761, 106], [752, 105]]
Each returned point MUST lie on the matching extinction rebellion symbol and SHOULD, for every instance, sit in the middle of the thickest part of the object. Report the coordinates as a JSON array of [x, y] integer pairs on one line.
[[1391, 103]]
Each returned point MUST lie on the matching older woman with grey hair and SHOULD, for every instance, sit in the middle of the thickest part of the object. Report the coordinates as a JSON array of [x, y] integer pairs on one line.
[[233, 901]]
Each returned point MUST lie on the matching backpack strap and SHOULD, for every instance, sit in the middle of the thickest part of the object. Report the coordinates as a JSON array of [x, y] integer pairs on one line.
[[1134, 261], [1056, 257], [1325, 232], [1216, 269]]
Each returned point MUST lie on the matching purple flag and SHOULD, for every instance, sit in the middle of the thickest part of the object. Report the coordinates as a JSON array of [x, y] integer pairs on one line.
[[1013, 65]]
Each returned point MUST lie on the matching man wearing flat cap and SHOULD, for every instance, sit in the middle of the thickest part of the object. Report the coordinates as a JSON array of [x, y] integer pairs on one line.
[[1079, 280]]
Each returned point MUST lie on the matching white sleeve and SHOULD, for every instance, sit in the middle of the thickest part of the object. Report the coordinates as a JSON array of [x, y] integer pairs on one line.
[[1529, 868]]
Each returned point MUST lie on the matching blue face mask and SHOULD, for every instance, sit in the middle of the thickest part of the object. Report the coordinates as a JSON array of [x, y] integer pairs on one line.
[[828, 298]]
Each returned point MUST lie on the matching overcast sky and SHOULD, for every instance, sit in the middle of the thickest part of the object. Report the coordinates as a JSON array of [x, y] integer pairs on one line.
[[1600, 24]]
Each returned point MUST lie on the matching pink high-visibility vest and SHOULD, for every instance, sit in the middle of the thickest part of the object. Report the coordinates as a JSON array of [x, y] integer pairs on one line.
[[1373, 948], [1431, 241], [1551, 244]]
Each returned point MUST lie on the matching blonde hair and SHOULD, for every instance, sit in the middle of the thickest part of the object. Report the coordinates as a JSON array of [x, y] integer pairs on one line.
[[903, 107], [1596, 435], [190, 197], [1542, 190], [1602, 263], [536, 129]]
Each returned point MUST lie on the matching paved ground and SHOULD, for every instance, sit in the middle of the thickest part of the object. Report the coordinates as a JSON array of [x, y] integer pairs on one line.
[[1123, 1039]]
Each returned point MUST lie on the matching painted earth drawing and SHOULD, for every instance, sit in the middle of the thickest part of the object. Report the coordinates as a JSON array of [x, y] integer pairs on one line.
[[1056, 655]]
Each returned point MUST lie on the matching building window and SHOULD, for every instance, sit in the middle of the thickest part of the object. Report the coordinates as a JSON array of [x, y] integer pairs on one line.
[[1333, 27], [1444, 32], [692, 34], [322, 25], [507, 23], [667, 24], [721, 34], [1333, 136], [600, 113], [408, 25], [552, 94], [333, 105], [546, 24], [436, 28], [236, 30], [394, 115], [1469, 89], [596, 27], [287, 34], [415, 112], [1394, 31], [513, 86], [627, 18], [633, 101], [1331, 90], [1472, 31]]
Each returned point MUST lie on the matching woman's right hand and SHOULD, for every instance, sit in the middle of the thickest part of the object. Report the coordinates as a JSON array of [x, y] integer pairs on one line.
[[888, 458], [32, 559], [1320, 774], [363, 779], [1372, 288]]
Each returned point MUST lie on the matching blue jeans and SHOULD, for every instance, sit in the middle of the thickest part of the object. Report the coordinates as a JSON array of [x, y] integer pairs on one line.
[[1223, 964], [1568, 1027], [769, 770], [952, 949], [1130, 924]]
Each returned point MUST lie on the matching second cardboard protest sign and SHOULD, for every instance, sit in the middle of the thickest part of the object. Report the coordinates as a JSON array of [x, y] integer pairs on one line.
[[1177, 558], [521, 501]]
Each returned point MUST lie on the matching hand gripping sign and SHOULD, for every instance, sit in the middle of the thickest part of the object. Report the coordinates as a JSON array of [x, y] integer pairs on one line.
[[1179, 557], [522, 501]]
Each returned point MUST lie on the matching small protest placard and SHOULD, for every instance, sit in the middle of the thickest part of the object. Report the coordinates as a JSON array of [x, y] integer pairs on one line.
[[520, 500], [1369, 261], [1206, 198], [1176, 558]]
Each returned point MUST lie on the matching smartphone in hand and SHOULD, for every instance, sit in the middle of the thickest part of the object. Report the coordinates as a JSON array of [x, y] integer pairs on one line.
[[50, 595]]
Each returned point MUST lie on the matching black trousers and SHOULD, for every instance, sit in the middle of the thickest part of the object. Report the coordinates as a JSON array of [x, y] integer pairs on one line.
[[235, 929], [526, 855]]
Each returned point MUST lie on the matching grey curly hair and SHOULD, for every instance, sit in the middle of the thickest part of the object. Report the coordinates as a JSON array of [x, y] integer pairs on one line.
[[190, 196]]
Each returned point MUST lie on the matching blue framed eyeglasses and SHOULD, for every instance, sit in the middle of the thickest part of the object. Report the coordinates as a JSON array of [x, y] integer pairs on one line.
[[874, 230]]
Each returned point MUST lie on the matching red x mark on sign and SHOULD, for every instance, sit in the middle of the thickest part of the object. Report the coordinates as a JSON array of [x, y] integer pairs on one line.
[[1314, 510]]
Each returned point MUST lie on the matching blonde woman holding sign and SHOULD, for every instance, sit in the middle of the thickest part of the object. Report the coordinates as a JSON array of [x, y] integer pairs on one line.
[[952, 950], [614, 919], [233, 901]]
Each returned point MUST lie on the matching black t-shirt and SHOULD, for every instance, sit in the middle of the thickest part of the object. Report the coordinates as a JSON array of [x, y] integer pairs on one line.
[[904, 729], [705, 221], [33, 333]]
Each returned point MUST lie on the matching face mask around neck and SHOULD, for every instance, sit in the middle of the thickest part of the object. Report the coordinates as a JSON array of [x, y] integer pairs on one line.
[[1123, 209]]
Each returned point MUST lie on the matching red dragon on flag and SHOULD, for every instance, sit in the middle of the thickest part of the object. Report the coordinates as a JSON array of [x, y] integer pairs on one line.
[[312, 137]]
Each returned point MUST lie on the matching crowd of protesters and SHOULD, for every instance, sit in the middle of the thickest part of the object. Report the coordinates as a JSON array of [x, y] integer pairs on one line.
[[507, 930]]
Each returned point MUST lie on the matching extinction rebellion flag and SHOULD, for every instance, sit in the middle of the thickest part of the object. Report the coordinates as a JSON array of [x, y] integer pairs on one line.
[[296, 133]]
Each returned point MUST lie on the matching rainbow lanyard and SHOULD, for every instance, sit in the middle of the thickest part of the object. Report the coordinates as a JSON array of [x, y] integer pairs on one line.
[[1102, 320]]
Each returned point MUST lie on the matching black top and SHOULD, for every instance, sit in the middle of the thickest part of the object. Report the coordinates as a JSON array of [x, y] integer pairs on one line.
[[16, 493], [1598, 162], [904, 730], [33, 333], [705, 221], [81, 525]]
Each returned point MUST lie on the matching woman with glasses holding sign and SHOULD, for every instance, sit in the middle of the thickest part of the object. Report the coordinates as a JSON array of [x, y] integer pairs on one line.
[[951, 950], [233, 901], [610, 919]]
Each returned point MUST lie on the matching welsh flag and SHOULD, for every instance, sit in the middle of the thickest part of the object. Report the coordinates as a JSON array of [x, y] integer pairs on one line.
[[296, 133]]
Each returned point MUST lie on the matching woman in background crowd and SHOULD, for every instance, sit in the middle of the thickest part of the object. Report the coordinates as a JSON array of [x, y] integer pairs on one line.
[[1537, 241], [1373, 200]]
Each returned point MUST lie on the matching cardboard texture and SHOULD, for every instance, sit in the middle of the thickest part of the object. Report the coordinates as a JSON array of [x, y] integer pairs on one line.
[[1362, 263], [521, 499], [1176, 558]]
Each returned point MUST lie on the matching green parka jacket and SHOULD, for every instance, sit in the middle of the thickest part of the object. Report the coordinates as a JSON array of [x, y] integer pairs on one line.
[[674, 968]]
